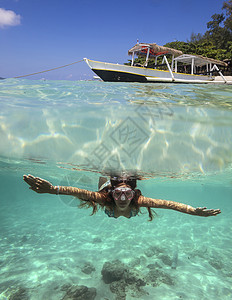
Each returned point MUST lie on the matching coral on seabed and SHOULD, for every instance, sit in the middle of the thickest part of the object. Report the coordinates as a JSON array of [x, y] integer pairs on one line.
[[88, 268], [124, 279], [79, 292]]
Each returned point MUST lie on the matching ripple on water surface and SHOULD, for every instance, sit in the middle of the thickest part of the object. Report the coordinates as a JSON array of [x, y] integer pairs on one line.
[[149, 127]]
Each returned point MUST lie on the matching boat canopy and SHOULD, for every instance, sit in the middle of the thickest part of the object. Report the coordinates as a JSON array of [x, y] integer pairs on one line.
[[198, 60], [154, 50]]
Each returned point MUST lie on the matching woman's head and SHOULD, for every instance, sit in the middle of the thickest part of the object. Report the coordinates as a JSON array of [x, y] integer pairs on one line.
[[123, 195]]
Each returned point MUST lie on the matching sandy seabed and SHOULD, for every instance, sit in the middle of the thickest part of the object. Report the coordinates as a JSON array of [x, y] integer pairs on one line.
[[49, 249]]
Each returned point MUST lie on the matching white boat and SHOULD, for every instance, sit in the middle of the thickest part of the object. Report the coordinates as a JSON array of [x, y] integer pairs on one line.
[[144, 73]]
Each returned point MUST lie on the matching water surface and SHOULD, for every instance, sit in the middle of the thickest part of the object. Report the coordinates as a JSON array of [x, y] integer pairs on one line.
[[177, 136]]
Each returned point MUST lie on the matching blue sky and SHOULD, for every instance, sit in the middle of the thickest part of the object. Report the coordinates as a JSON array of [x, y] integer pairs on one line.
[[37, 35]]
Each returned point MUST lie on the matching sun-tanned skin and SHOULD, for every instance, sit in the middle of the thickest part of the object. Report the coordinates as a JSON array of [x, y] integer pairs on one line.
[[40, 185]]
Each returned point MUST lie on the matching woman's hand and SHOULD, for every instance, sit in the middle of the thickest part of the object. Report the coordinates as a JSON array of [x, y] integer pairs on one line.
[[204, 212], [39, 185]]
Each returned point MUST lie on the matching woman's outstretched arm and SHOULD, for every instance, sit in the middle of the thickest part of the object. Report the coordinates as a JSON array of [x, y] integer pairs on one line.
[[41, 186], [187, 209]]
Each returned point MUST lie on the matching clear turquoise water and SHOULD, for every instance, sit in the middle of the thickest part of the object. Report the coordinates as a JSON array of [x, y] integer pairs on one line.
[[177, 136]]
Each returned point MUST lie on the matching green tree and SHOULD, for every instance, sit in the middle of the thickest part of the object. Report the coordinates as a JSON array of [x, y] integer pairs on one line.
[[217, 34], [227, 6], [216, 42], [195, 38]]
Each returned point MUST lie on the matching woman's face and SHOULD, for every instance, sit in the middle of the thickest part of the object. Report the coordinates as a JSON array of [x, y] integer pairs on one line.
[[123, 196]]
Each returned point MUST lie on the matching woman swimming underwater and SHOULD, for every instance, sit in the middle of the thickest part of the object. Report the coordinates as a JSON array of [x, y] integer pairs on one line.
[[117, 196]]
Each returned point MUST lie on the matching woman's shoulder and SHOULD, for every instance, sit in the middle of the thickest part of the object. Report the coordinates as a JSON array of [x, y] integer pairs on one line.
[[142, 200], [106, 199]]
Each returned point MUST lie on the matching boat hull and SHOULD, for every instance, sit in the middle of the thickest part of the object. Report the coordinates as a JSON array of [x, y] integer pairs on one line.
[[112, 76], [124, 73]]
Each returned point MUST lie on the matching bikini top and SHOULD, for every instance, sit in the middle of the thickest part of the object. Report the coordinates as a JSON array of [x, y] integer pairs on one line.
[[110, 213]]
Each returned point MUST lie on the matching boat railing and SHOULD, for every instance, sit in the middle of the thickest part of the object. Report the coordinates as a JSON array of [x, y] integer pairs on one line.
[[215, 67], [211, 71], [166, 64]]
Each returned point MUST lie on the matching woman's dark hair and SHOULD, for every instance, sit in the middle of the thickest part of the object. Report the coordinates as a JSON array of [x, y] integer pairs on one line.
[[151, 213], [115, 181]]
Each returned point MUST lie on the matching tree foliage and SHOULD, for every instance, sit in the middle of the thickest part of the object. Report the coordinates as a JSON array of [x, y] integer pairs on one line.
[[227, 6], [216, 42]]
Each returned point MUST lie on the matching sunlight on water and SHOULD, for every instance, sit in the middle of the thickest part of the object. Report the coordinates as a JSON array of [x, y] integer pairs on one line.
[[178, 137], [148, 127]]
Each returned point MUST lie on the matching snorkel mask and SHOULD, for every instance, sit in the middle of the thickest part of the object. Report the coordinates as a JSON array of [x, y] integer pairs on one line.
[[123, 193]]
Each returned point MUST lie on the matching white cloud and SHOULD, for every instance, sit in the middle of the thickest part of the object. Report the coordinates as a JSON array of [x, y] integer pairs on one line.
[[8, 18]]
